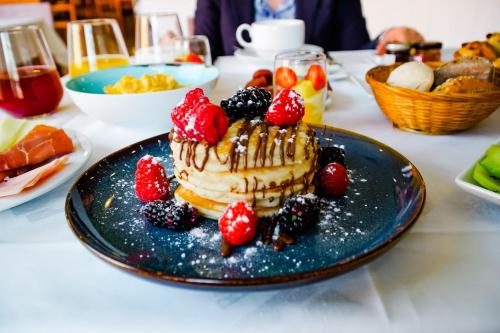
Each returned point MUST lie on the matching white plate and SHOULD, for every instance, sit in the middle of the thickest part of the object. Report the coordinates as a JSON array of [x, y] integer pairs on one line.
[[468, 184], [76, 160], [250, 55]]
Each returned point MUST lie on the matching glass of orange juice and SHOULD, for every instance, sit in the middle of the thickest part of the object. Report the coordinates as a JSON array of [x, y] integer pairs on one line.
[[95, 44]]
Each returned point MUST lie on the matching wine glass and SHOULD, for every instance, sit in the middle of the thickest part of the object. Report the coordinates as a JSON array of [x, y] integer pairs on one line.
[[304, 72], [154, 34], [29, 83], [193, 49], [95, 44]]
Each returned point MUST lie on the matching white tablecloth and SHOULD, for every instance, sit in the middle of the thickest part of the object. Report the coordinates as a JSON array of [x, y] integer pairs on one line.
[[444, 276]]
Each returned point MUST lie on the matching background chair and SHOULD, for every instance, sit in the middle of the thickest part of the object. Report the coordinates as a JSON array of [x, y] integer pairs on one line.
[[114, 9], [63, 12]]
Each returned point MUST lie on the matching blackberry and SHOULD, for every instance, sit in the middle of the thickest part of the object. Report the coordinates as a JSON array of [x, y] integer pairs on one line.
[[298, 214], [331, 154], [247, 103], [170, 214]]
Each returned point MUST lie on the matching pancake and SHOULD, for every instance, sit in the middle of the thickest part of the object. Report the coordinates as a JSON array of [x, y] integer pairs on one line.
[[254, 162], [214, 209]]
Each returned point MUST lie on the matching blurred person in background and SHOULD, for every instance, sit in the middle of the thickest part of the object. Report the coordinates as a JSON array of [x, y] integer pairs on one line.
[[331, 24]]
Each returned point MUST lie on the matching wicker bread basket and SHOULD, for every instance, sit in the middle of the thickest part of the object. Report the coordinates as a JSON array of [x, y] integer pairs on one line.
[[426, 112]]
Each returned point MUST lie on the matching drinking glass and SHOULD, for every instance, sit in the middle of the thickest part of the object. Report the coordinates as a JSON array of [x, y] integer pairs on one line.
[[304, 72], [95, 44], [29, 83], [154, 34], [193, 49]]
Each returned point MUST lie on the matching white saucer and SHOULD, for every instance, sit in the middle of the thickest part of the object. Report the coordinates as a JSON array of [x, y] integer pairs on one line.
[[76, 160], [251, 55]]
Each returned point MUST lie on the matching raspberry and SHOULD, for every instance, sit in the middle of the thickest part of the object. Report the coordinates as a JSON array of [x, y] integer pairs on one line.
[[331, 154], [286, 109], [192, 98], [298, 214], [238, 224], [151, 180], [196, 119], [247, 103], [170, 214], [334, 180]]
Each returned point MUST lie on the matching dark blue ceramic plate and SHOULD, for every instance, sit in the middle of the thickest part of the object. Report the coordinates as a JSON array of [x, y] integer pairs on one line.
[[385, 197]]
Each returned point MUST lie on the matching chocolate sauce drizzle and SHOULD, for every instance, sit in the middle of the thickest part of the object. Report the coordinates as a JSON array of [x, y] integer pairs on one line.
[[191, 149], [254, 189], [184, 175], [238, 154], [261, 149]]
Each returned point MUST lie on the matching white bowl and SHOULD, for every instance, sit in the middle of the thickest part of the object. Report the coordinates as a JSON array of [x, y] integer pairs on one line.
[[467, 183], [148, 112]]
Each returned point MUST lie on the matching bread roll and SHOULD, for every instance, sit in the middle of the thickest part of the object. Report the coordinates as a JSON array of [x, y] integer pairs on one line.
[[412, 75], [476, 49], [478, 67], [494, 40], [465, 85]]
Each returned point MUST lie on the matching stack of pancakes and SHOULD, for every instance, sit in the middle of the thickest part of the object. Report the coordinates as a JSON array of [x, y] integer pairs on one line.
[[254, 162]]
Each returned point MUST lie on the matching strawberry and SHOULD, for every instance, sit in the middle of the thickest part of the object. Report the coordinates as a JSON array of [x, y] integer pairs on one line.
[[286, 109], [334, 180], [196, 119], [238, 223], [151, 180], [286, 77], [193, 57], [317, 76], [190, 57]]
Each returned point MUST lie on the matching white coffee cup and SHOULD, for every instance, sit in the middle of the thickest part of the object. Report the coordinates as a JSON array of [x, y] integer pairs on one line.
[[273, 36]]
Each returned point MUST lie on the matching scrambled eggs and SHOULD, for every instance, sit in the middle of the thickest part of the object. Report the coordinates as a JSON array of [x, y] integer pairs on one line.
[[147, 83]]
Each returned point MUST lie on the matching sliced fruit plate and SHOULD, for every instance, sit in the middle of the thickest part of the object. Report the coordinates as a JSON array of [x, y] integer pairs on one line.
[[482, 179]]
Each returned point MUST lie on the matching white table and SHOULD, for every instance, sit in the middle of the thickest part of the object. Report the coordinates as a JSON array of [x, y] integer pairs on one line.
[[444, 276]]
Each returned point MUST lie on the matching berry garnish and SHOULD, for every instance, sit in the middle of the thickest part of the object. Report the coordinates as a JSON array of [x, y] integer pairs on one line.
[[191, 57], [317, 76], [190, 100], [286, 77], [151, 180], [238, 223], [247, 103], [196, 119], [298, 214], [334, 180], [332, 154], [286, 109], [170, 214]]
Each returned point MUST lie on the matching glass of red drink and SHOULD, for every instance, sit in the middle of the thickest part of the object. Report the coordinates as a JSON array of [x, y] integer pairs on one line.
[[29, 83]]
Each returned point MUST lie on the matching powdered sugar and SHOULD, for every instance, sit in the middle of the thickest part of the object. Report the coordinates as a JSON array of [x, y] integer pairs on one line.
[[344, 223]]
